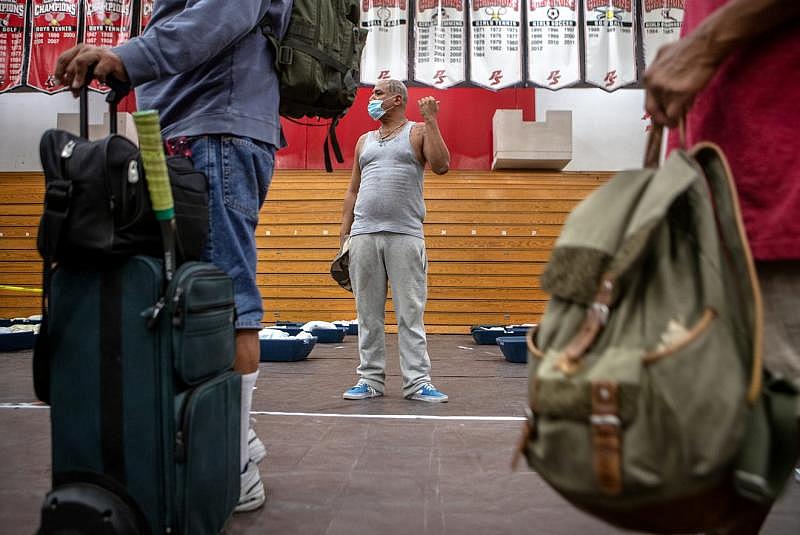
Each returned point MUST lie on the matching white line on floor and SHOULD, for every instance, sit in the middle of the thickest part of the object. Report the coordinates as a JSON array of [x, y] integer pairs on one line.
[[394, 416], [331, 415]]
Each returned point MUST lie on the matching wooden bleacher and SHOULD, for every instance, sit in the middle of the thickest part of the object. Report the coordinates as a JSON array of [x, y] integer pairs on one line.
[[488, 235]]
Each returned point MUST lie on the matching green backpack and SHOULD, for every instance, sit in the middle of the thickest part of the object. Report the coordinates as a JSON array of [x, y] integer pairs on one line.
[[647, 404], [318, 62]]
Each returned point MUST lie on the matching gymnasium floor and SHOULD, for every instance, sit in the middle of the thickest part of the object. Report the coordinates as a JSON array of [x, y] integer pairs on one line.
[[378, 467]]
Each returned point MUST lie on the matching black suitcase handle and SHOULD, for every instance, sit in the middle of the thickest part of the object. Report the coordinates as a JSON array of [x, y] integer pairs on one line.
[[119, 90]]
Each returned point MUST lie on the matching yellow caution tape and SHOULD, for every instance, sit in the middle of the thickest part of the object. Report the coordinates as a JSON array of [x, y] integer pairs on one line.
[[20, 289]]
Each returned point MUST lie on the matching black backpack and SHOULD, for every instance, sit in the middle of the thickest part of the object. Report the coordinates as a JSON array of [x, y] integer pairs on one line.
[[318, 61]]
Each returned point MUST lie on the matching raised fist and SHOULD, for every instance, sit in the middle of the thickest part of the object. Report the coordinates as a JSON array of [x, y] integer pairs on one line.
[[428, 107]]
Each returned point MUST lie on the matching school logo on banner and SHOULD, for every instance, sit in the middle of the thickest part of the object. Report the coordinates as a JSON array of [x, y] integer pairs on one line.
[[385, 54], [610, 43], [439, 42], [496, 37], [553, 45]]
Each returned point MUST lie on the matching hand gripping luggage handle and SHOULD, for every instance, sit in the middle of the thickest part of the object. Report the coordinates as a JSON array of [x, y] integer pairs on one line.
[[157, 176]]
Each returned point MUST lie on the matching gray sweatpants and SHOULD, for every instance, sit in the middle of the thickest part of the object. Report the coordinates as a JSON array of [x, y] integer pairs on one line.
[[399, 259]]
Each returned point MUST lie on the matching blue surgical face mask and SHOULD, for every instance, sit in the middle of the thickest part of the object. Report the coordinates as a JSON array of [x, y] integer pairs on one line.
[[375, 109]]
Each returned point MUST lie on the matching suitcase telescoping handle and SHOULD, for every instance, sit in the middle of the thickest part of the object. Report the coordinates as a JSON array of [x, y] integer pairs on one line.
[[151, 147], [119, 90]]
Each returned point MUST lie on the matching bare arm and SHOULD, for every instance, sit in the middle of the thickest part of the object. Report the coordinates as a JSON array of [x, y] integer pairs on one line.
[[433, 146], [352, 193], [682, 69]]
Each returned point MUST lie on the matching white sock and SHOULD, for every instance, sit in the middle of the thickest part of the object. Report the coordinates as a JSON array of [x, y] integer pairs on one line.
[[248, 383]]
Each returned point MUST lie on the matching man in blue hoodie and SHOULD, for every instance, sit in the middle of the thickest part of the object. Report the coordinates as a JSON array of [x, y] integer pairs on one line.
[[209, 71]]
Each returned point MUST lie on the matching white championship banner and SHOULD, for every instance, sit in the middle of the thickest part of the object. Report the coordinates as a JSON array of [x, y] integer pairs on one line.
[[553, 46], [495, 34], [610, 43], [385, 54], [661, 24], [440, 42]]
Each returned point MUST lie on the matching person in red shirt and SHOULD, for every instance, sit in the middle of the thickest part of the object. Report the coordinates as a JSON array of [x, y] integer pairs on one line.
[[735, 78]]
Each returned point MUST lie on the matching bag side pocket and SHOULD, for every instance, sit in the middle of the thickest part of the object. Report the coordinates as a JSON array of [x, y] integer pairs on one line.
[[203, 333], [207, 453]]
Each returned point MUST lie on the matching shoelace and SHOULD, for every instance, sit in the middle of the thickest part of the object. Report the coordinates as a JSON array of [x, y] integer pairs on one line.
[[428, 386]]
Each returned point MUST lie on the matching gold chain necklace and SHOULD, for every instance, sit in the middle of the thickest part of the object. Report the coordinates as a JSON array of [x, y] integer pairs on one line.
[[382, 139]]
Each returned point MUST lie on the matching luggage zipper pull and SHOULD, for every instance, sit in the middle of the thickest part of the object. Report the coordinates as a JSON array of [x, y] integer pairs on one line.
[[133, 172], [66, 152], [152, 313], [176, 307]]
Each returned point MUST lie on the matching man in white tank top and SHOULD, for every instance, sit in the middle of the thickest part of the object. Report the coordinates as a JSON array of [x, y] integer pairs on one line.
[[383, 214]]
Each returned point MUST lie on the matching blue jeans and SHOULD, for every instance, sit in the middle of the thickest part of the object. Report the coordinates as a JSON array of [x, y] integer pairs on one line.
[[239, 172]]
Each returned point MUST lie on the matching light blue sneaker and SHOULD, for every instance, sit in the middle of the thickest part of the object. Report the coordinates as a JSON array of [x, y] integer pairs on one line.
[[428, 393], [361, 391]]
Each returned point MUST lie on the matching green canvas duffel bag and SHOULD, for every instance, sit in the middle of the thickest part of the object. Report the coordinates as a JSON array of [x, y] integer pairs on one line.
[[648, 407]]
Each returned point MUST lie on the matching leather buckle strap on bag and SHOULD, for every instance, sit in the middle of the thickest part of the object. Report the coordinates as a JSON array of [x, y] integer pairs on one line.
[[597, 314], [606, 430], [596, 318]]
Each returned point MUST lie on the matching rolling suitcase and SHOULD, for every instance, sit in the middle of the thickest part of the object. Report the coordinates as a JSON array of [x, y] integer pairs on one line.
[[145, 409]]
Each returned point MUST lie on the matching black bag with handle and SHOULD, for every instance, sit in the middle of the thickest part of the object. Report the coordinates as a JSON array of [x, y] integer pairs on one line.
[[97, 209], [96, 206]]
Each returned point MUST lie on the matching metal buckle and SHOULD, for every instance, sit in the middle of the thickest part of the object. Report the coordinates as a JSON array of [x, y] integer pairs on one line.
[[605, 419], [285, 55], [601, 311], [530, 417]]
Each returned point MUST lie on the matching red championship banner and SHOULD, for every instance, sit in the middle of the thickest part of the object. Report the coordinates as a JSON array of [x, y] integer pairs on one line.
[[385, 54], [440, 42], [496, 37], [12, 43], [610, 43], [54, 30], [661, 24], [145, 14], [106, 23], [553, 46]]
